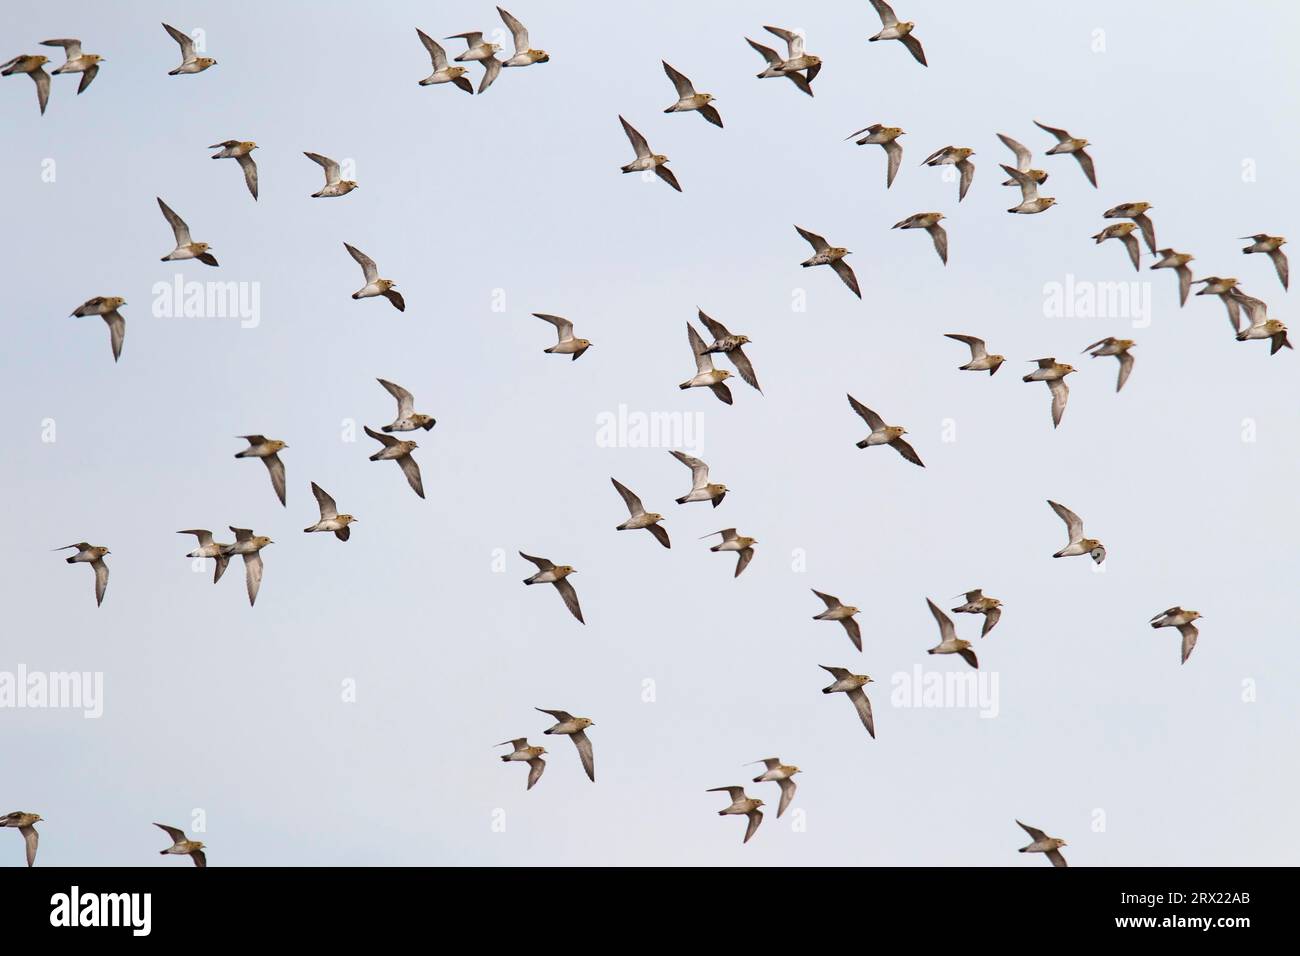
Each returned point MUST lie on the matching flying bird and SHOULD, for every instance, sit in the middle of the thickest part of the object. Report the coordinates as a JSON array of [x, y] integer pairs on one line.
[[575, 729], [732, 346], [958, 156], [408, 419], [782, 774], [688, 100], [929, 221], [530, 755], [106, 307], [824, 254], [1024, 162], [33, 66], [183, 846], [549, 573], [1123, 231], [851, 685], [640, 518], [1136, 211], [741, 805], [1118, 348], [883, 434], [478, 51], [442, 71], [335, 185], [330, 519], [191, 62], [949, 642], [565, 343], [267, 449], [885, 137], [645, 159], [1181, 619], [706, 376], [94, 556], [1261, 326], [1169, 259], [799, 67], [835, 611], [25, 825], [1078, 544], [1043, 844], [374, 285], [210, 549], [1260, 242], [74, 61], [977, 603], [250, 546], [186, 248], [701, 488], [400, 452], [735, 542], [1065, 143], [241, 150], [1030, 202], [524, 54], [980, 359], [893, 29], [1053, 373]]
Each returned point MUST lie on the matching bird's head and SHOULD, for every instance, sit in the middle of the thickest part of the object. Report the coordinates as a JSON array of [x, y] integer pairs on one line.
[[347, 519], [40, 59], [262, 540], [659, 159], [201, 246], [566, 569], [540, 56], [838, 252], [1096, 550], [206, 61], [654, 516], [585, 722], [115, 302], [277, 444], [585, 343], [456, 71]]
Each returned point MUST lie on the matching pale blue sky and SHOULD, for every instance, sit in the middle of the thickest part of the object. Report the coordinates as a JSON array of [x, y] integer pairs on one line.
[[210, 704]]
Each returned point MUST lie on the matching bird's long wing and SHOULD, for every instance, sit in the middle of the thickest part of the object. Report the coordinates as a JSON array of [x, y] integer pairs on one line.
[[179, 229], [411, 469], [405, 400], [328, 508], [631, 500], [570, 598], [368, 267], [871, 418], [1073, 523], [583, 743], [946, 629], [863, 706], [276, 467], [680, 82], [637, 140]]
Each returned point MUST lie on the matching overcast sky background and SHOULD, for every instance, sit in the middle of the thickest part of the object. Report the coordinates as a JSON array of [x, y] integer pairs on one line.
[[210, 704]]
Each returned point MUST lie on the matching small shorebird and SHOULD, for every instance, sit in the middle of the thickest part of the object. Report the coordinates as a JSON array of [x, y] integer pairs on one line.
[[25, 824], [1078, 544], [1118, 348], [1261, 326], [1169, 259], [887, 138], [524, 54], [442, 71], [250, 546], [977, 603], [1065, 143], [210, 549], [646, 159], [1043, 844], [1137, 211], [732, 346], [835, 611], [735, 542], [374, 285], [741, 805], [530, 755], [949, 642], [1030, 201], [400, 452], [106, 308], [850, 684], [191, 62], [32, 65], [74, 61], [241, 150], [94, 556], [477, 50], [958, 156], [688, 100], [980, 359], [1260, 242], [549, 573], [408, 419], [1053, 373], [883, 434], [800, 68], [639, 517], [1226, 290], [186, 248], [929, 221], [330, 519], [1181, 619], [701, 488], [565, 343], [574, 728], [893, 29], [824, 254], [1024, 162], [183, 846], [706, 376], [1123, 231], [335, 185], [267, 449], [782, 774]]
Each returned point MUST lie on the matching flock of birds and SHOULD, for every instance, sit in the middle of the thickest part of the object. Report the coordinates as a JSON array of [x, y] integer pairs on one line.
[[801, 68]]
